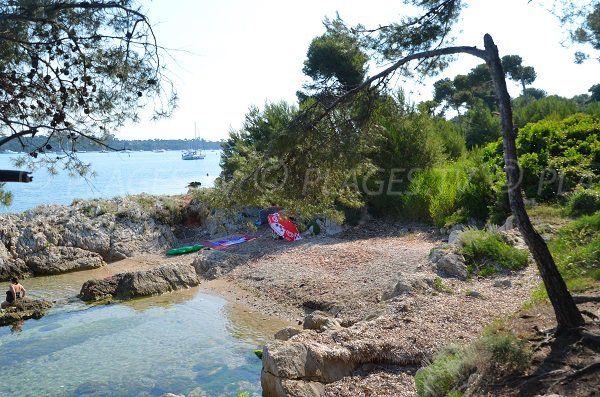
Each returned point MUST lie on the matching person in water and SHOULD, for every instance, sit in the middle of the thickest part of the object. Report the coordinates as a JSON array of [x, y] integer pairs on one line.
[[15, 291]]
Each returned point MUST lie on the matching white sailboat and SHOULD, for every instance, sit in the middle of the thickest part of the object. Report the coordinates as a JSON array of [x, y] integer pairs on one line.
[[193, 154]]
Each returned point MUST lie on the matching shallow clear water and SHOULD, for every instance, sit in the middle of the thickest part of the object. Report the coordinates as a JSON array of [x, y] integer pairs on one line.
[[185, 342], [117, 174]]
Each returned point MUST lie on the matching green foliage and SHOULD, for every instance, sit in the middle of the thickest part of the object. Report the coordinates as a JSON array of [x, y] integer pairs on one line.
[[534, 110], [504, 352], [583, 202], [457, 191], [5, 197], [409, 141], [492, 354], [438, 284], [576, 251], [449, 368], [481, 127], [487, 252], [555, 156], [76, 70], [167, 210], [335, 58]]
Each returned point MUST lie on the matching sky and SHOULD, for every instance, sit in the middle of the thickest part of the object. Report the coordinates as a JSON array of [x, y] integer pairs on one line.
[[228, 55]]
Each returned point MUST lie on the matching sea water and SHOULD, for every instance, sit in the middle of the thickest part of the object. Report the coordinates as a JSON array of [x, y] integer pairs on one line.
[[186, 342], [116, 174]]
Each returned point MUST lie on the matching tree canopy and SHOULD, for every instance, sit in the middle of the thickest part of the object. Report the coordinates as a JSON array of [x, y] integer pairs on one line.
[[73, 70]]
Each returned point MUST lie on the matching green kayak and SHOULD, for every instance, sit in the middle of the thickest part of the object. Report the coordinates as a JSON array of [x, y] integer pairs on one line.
[[185, 250]]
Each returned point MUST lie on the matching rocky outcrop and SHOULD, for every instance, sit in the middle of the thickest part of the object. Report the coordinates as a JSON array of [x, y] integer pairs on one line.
[[320, 321], [54, 239], [56, 260], [304, 363], [448, 263], [142, 283], [24, 309], [212, 264]]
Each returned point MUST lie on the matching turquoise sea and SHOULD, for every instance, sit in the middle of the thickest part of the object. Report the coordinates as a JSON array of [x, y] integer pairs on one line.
[[186, 342], [117, 174]]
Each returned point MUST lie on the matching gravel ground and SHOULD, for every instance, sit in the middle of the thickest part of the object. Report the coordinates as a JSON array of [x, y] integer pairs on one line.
[[346, 276]]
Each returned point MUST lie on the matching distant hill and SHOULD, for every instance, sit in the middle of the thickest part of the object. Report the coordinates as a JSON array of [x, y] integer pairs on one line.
[[87, 145]]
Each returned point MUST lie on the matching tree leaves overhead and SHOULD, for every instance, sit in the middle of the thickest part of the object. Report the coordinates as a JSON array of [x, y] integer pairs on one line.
[[74, 69], [335, 58]]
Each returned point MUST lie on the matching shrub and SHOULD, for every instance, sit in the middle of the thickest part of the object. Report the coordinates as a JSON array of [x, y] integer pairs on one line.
[[449, 368], [583, 202], [485, 252], [503, 353], [492, 354], [452, 193], [555, 155]]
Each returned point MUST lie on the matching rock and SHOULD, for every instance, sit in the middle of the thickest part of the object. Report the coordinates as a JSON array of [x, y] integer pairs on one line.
[[509, 224], [286, 333], [142, 283], [94, 290], [474, 294], [453, 237], [24, 309], [330, 227], [423, 284], [452, 265], [401, 287], [212, 264], [308, 361], [506, 283], [273, 386], [436, 254], [319, 321], [56, 260], [53, 239]]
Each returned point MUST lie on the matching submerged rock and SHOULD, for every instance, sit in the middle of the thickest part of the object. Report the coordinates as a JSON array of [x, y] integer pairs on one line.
[[141, 283], [24, 309]]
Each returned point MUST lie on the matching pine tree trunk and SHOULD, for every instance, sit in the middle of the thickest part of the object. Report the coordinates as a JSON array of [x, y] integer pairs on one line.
[[567, 313]]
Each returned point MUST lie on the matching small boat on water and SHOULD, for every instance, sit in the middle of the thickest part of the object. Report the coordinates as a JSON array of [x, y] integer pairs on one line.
[[192, 154], [159, 150]]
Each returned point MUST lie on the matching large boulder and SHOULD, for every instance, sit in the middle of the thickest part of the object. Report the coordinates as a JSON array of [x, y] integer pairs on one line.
[[141, 283], [453, 265], [212, 264], [449, 263], [56, 260], [94, 290], [24, 309]]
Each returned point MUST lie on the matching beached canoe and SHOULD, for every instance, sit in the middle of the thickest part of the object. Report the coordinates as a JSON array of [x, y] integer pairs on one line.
[[185, 249]]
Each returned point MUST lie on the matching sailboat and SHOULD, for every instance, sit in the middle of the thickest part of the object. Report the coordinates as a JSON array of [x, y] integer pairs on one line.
[[193, 154]]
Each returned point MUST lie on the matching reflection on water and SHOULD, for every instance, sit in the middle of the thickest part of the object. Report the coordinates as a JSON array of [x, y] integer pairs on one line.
[[185, 342]]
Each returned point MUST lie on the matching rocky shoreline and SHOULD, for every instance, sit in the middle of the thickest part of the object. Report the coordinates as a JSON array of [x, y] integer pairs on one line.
[[368, 303]]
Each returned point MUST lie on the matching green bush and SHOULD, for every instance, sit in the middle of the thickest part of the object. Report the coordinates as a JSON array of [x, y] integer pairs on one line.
[[492, 354], [555, 156], [583, 202], [449, 368], [486, 252], [452, 193], [505, 353]]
